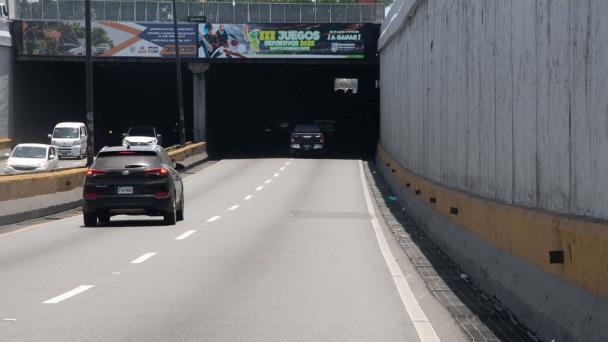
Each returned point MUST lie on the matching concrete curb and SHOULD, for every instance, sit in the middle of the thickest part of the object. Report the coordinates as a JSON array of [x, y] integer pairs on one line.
[[552, 307]]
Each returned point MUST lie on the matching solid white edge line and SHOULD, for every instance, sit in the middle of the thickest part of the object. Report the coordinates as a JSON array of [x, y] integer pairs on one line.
[[214, 218], [143, 258], [234, 207], [259, 188], [282, 168], [185, 235], [268, 181], [248, 197], [71, 293], [275, 175], [424, 328]]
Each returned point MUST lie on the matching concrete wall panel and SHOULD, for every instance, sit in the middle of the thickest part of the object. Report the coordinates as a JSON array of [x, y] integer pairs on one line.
[[503, 99]]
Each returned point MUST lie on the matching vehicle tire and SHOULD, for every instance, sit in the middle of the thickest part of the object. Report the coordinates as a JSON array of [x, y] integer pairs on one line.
[[170, 217], [90, 219], [179, 214], [104, 219]]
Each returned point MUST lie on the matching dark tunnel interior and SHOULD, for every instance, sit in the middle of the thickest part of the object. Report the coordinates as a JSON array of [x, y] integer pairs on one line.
[[250, 106]]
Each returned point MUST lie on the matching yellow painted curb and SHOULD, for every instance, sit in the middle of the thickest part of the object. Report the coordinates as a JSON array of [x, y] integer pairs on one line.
[[524, 232]]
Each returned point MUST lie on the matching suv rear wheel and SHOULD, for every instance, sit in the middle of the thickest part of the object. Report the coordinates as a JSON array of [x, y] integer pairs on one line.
[[90, 219], [171, 217], [180, 212]]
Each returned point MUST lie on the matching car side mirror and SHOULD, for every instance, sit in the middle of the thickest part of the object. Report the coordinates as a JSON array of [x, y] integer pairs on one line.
[[50, 136]]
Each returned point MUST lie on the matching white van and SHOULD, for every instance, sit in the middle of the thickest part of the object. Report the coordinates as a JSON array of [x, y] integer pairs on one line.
[[70, 139]]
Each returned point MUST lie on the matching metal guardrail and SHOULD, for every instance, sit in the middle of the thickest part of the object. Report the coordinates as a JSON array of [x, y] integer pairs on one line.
[[224, 12]]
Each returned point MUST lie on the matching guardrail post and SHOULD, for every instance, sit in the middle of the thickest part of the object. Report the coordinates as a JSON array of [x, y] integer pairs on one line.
[[330, 13]]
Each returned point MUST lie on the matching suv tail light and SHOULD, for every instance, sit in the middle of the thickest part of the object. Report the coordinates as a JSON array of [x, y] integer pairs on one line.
[[157, 171], [161, 194], [322, 138], [91, 195], [292, 137], [96, 172]]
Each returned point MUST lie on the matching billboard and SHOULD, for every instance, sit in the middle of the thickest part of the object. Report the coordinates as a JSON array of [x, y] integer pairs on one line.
[[197, 40], [280, 40], [109, 39]]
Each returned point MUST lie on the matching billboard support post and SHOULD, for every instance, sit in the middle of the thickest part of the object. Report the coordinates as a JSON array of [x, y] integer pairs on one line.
[[88, 65], [178, 71]]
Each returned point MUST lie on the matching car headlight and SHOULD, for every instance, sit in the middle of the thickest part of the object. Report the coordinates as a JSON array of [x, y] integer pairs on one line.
[[124, 142], [42, 164]]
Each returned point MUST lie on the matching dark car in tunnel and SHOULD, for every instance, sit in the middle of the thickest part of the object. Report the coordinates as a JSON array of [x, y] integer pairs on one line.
[[132, 181], [307, 138]]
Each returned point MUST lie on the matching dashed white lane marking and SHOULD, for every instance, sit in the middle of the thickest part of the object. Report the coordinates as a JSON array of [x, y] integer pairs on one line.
[[248, 197], [282, 168], [71, 293], [234, 207], [213, 219], [275, 175], [268, 181], [115, 273], [259, 188], [143, 258], [287, 163], [9, 320], [423, 326], [185, 235]]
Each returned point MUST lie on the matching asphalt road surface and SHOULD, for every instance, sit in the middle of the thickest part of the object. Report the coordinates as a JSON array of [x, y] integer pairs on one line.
[[63, 163], [270, 250]]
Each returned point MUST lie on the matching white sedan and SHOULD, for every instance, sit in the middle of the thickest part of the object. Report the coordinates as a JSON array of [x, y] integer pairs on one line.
[[32, 157]]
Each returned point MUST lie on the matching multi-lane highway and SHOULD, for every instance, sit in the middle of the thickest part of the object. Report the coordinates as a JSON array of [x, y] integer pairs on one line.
[[270, 250]]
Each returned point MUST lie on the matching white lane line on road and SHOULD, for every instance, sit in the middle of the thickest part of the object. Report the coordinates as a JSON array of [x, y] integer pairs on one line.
[[248, 197], [268, 181], [71, 293], [259, 188], [234, 207], [424, 328], [143, 258], [282, 168], [185, 235], [9, 320], [275, 175], [213, 219], [287, 163]]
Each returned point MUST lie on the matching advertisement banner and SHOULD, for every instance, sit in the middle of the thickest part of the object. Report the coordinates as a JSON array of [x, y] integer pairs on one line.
[[280, 40], [109, 39]]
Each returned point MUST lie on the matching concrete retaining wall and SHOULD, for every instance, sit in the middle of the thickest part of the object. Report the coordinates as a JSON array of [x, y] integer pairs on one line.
[[33, 195], [503, 99], [505, 251], [498, 110]]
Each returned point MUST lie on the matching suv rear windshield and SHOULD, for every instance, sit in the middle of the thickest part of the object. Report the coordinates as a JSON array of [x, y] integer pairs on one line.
[[126, 160], [309, 128], [141, 131]]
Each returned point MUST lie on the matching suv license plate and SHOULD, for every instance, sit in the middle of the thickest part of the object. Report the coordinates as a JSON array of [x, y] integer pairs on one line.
[[125, 190]]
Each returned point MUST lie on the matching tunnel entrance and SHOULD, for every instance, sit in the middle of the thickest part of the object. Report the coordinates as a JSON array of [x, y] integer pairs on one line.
[[251, 108], [125, 94]]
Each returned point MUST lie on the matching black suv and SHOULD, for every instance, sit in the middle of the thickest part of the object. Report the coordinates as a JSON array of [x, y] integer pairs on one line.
[[133, 181]]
